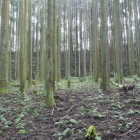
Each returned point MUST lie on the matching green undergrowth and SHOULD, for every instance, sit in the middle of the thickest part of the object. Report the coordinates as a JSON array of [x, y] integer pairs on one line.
[[77, 108], [75, 83]]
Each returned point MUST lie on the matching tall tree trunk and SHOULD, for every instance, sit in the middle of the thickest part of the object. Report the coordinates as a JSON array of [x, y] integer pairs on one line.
[[137, 37], [49, 80], [117, 41], [54, 42], [59, 44], [4, 60], [23, 34], [16, 70], [80, 42], [37, 40], [95, 42], [30, 42], [84, 38], [42, 44], [69, 44], [90, 38], [104, 44], [17, 40]]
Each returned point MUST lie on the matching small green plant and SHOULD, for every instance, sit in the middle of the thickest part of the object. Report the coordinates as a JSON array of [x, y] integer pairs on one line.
[[22, 131], [99, 116], [128, 125], [19, 117], [91, 133], [121, 118], [2, 119], [120, 125], [61, 123], [21, 125], [74, 121], [96, 114], [120, 105], [116, 113], [1, 131], [131, 112], [62, 136]]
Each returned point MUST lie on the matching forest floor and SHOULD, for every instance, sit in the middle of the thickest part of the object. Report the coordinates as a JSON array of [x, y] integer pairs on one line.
[[115, 114]]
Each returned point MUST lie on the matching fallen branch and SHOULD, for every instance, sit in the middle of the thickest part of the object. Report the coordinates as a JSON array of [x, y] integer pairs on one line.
[[62, 118], [116, 84], [114, 118], [70, 108], [129, 132]]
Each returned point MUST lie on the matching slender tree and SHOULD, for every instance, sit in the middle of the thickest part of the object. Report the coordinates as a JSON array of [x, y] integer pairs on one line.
[[54, 50], [137, 36], [4, 60], [37, 39], [104, 44], [90, 37], [55, 38], [59, 43], [95, 41], [30, 42], [42, 43], [16, 15], [84, 39], [80, 41], [117, 41], [17, 42], [11, 38], [69, 44], [23, 39], [49, 79]]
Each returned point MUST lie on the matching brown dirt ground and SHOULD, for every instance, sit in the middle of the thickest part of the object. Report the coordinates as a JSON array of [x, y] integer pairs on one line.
[[115, 114]]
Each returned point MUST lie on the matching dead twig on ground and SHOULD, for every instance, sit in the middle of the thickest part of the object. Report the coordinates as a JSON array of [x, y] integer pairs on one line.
[[129, 132], [52, 111], [62, 118], [35, 134]]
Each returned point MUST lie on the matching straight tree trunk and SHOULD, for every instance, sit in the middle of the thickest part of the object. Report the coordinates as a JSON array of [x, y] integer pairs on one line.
[[96, 54], [42, 44], [49, 80], [84, 38], [90, 39], [117, 41], [30, 42], [54, 42], [81, 57], [37, 40], [59, 44], [12, 22], [17, 41], [23, 39], [69, 43], [137, 37], [4, 59], [104, 44], [16, 14]]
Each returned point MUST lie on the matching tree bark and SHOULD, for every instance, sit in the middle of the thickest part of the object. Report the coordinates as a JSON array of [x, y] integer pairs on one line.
[[4, 56]]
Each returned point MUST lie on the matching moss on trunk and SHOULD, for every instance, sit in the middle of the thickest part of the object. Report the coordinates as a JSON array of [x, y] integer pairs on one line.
[[50, 94], [3, 87]]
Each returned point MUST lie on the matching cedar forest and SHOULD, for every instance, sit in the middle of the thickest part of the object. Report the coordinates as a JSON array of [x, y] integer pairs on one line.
[[70, 70]]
